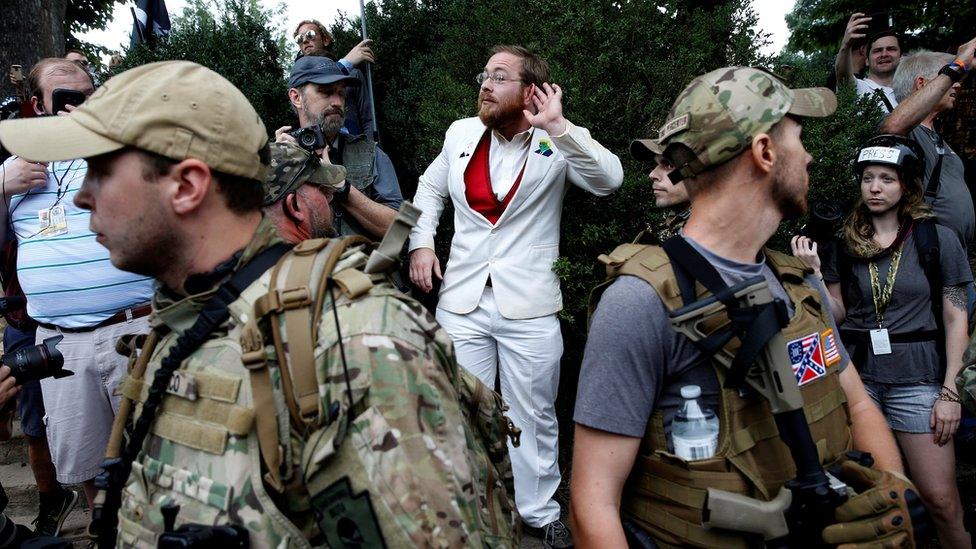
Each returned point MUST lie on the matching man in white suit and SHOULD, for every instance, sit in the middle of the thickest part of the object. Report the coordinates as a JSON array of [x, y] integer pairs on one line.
[[506, 173]]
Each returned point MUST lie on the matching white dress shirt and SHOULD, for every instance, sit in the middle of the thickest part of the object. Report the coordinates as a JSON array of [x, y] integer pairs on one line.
[[506, 160]]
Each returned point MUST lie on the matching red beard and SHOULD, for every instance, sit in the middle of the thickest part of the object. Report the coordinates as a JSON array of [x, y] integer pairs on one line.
[[497, 115]]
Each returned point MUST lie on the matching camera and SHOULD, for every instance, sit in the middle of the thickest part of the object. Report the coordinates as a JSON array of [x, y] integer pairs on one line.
[[37, 362], [825, 221], [198, 535], [310, 138]]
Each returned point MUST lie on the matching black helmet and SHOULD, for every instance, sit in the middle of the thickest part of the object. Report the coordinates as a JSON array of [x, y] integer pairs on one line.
[[904, 154]]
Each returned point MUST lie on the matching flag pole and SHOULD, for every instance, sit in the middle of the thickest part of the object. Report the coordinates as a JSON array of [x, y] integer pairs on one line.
[[369, 75]]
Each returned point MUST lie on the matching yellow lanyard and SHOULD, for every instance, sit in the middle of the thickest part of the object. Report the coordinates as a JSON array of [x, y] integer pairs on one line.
[[882, 294]]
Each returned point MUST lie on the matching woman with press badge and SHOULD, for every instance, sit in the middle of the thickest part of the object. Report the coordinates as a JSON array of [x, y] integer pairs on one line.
[[900, 280]]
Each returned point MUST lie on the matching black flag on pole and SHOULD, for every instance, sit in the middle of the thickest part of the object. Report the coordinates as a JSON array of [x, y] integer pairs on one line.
[[151, 21]]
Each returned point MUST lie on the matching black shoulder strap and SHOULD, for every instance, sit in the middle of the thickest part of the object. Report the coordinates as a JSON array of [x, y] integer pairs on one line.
[[689, 266], [754, 325], [930, 257], [116, 471], [883, 97], [935, 179]]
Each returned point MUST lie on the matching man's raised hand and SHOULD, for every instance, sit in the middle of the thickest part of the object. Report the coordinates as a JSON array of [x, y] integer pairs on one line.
[[548, 102]]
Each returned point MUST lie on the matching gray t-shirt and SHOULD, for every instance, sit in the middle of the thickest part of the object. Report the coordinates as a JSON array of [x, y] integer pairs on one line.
[[635, 363], [910, 310], [953, 204]]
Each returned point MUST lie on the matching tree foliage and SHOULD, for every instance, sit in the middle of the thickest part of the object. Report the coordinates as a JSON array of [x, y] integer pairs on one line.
[[620, 63], [818, 25], [244, 42], [85, 15]]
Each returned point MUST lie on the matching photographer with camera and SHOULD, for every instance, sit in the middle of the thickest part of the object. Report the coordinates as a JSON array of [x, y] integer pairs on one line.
[[881, 52], [18, 369], [368, 202], [72, 290], [313, 39]]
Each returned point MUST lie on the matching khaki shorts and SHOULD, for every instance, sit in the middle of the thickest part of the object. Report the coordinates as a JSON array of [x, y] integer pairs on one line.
[[80, 408]]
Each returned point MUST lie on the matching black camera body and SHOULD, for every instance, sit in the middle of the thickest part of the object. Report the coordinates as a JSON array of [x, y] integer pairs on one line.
[[310, 138], [37, 362], [12, 303], [201, 535], [825, 221]]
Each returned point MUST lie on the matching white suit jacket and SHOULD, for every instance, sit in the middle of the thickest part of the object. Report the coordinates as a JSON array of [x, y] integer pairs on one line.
[[519, 250]]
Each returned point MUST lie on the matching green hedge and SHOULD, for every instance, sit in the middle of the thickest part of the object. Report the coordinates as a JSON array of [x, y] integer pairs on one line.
[[620, 63]]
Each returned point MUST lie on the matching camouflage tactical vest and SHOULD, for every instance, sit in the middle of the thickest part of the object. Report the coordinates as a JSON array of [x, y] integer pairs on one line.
[[344, 470], [665, 494]]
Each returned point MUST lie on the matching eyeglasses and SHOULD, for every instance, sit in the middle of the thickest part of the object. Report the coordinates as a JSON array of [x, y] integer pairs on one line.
[[305, 36], [495, 77]]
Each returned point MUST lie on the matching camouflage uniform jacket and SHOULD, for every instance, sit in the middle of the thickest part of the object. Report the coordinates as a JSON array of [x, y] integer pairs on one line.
[[398, 467]]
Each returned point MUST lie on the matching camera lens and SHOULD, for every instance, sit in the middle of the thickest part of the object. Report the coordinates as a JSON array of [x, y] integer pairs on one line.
[[307, 139], [37, 362]]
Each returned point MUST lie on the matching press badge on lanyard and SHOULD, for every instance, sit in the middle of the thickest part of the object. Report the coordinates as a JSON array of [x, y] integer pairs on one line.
[[53, 221], [880, 342]]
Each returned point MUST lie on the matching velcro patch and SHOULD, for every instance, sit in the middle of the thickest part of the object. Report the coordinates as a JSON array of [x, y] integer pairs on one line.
[[674, 126], [347, 519], [807, 358], [830, 350]]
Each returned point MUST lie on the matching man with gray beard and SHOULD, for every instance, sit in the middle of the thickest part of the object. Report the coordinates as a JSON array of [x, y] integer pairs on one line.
[[370, 198]]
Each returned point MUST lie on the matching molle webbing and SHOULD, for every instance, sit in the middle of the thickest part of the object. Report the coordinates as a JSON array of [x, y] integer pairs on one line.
[[665, 494], [292, 296], [214, 313]]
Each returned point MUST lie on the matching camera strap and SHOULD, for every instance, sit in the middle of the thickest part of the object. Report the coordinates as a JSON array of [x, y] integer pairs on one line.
[[215, 312]]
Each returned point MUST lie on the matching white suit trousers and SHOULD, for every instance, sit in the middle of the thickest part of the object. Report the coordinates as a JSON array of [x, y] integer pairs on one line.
[[525, 354]]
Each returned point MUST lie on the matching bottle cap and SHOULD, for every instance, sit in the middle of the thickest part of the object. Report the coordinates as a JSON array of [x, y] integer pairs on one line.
[[690, 391]]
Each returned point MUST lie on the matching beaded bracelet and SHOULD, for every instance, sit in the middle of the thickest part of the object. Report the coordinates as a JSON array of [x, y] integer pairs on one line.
[[948, 395]]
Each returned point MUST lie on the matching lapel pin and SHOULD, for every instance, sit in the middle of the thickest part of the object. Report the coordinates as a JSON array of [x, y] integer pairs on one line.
[[544, 148]]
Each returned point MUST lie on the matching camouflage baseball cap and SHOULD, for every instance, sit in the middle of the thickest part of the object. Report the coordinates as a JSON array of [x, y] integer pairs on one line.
[[718, 114], [176, 109], [292, 167]]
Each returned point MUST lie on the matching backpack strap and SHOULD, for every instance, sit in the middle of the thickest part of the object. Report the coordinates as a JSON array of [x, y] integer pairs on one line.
[[935, 178], [301, 308], [930, 257]]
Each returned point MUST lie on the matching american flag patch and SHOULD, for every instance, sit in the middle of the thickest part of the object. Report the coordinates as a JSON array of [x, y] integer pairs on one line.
[[831, 353], [806, 356]]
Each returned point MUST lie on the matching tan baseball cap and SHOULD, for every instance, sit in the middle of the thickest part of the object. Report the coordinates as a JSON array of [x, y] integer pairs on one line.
[[177, 109]]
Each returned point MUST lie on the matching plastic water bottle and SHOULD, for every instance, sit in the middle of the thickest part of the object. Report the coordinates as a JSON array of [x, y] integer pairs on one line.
[[694, 431]]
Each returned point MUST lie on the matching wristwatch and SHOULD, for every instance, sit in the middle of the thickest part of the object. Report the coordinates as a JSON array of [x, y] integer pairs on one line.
[[342, 193], [954, 71]]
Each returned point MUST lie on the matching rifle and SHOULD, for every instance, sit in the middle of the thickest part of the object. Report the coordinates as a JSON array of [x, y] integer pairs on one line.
[[805, 505]]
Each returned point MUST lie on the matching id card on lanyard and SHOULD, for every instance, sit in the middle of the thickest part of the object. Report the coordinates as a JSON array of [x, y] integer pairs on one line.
[[880, 342], [53, 221]]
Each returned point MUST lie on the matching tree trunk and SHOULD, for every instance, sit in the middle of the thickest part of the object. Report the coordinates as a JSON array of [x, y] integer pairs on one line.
[[29, 30]]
